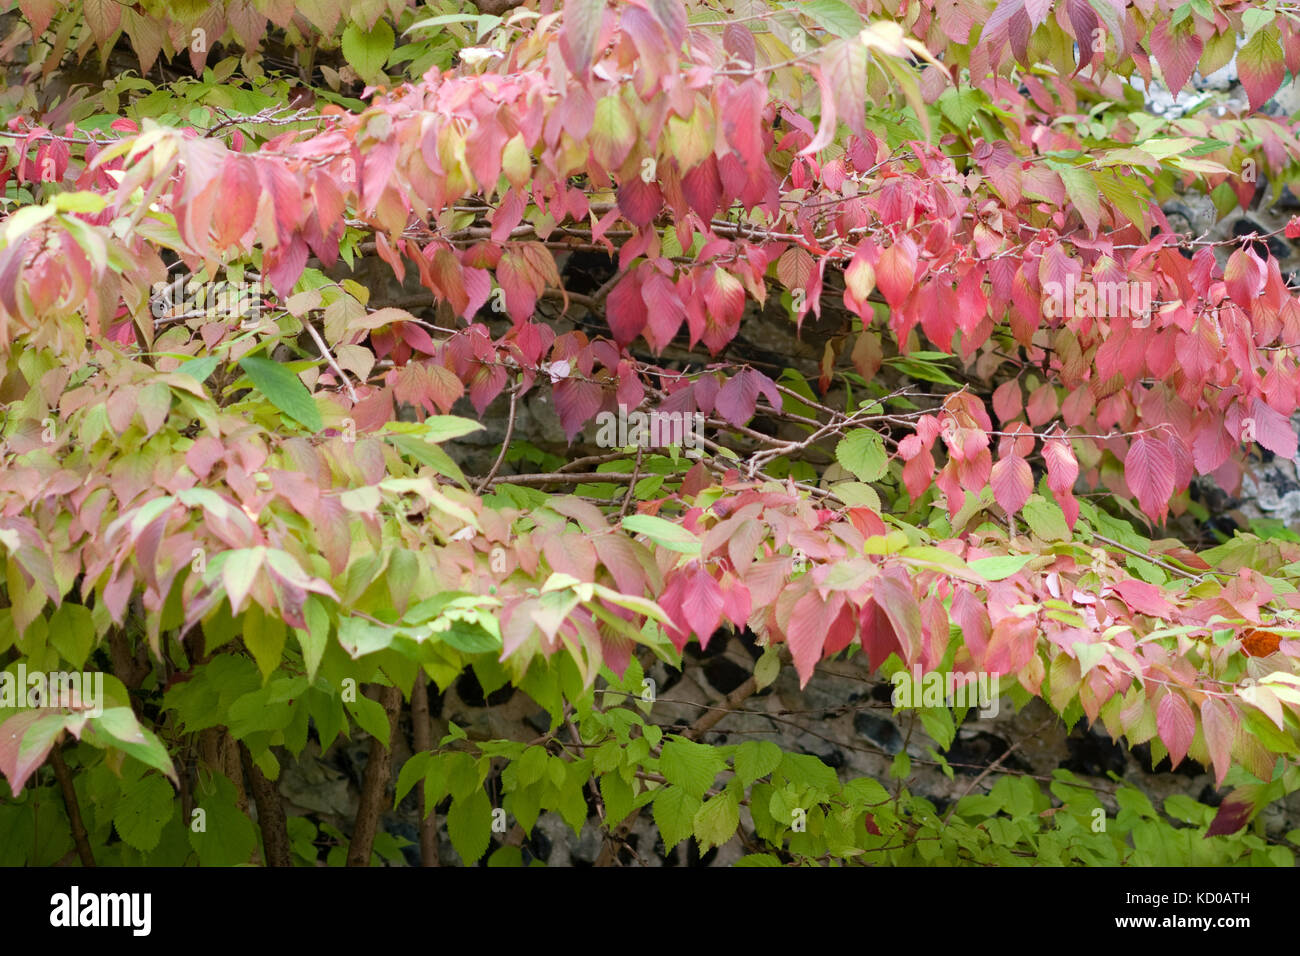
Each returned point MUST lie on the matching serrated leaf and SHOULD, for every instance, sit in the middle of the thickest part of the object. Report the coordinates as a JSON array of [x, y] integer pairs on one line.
[[469, 824], [716, 821], [674, 813], [756, 758], [862, 452], [690, 765], [143, 811]]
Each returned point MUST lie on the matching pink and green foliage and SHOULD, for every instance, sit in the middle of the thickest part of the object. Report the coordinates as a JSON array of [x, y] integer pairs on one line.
[[1003, 473]]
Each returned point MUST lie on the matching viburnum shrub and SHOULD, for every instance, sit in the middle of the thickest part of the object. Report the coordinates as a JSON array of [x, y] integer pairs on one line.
[[236, 516]]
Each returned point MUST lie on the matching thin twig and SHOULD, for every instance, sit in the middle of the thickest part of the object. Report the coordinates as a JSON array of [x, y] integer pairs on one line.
[[329, 358], [505, 443]]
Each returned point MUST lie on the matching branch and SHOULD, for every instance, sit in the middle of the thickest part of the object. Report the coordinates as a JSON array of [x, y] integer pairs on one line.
[[569, 479], [270, 813], [505, 443], [422, 738], [70, 802], [374, 784], [329, 358]]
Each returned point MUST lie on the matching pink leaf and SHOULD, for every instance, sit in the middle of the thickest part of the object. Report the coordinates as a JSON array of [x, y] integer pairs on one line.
[[810, 620], [1273, 430], [1220, 727], [625, 309], [1013, 482], [1149, 473], [1177, 50], [1007, 401], [896, 272], [1176, 724], [701, 604], [579, 33]]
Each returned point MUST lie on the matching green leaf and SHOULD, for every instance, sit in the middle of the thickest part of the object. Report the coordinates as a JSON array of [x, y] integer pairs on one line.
[[264, 637], [120, 724], [617, 796], [756, 758], [1000, 566], [470, 638], [199, 368], [862, 452], [72, 633], [716, 821], [314, 639], [442, 428], [87, 202], [690, 765], [674, 812], [412, 772], [228, 837], [938, 723], [834, 16], [808, 770], [368, 51], [767, 667], [1045, 519], [757, 859], [371, 717], [284, 390], [857, 494], [143, 811], [469, 824], [664, 533]]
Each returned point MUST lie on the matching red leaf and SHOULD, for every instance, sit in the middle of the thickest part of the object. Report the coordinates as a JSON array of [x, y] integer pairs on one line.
[[701, 603], [1062, 466], [515, 277], [25, 741], [233, 215], [1244, 276], [576, 402], [1234, 812], [1273, 430], [702, 188], [1007, 401], [1260, 66], [742, 123], [639, 201], [1011, 645], [1176, 724], [625, 309], [1042, 405], [1220, 727], [1149, 474], [1013, 482], [794, 268], [738, 396], [664, 309], [896, 272], [899, 605], [1177, 50], [810, 621], [579, 33]]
